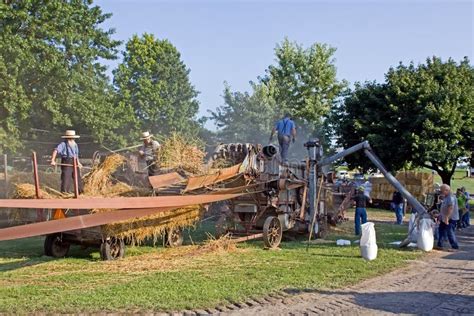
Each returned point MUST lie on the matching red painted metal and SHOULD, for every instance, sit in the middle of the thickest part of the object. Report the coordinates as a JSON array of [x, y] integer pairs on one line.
[[117, 202], [164, 180], [210, 179], [75, 222], [39, 212]]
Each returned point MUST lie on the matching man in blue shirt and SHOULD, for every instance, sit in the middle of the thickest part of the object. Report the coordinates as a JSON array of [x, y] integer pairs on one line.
[[68, 150], [286, 133]]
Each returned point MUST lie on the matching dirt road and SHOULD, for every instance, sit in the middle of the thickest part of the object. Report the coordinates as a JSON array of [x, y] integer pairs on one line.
[[442, 284]]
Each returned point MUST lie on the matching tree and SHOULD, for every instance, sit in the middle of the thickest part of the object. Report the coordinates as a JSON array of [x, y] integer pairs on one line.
[[304, 80], [420, 116], [153, 85], [50, 74], [245, 117]]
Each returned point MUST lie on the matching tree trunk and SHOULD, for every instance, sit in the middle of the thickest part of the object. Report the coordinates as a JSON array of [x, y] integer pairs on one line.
[[446, 176]]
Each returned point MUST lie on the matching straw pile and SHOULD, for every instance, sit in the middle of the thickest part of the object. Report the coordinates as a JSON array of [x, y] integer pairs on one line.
[[417, 183], [181, 155], [153, 227], [98, 182]]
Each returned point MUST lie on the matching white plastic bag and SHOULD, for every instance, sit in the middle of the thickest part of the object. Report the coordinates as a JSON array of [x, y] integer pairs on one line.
[[368, 242], [425, 240], [343, 242], [414, 233]]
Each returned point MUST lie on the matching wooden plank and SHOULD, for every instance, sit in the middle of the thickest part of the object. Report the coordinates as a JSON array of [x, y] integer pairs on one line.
[[164, 180], [117, 202], [207, 180]]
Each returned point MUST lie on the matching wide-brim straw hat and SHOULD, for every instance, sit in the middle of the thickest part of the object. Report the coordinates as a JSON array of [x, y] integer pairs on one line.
[[70, 134], [146, 135]]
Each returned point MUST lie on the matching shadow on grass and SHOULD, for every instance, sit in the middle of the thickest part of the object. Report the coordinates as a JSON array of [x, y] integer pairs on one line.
[[28, 252]]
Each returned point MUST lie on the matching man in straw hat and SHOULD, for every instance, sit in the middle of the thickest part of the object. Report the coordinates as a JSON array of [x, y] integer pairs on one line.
[[149, 152], [68, 150]]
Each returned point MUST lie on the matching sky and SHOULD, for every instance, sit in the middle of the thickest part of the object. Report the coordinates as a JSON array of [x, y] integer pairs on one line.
[[234, 41]]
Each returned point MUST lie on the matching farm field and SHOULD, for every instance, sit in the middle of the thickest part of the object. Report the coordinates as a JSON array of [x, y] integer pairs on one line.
[[156, 278]]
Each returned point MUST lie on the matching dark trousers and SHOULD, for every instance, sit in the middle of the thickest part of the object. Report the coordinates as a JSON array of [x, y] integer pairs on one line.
[[447, 232], [466, 219], [284, 142], [67, 177], [399, 213], [152, 168], [360, 218]]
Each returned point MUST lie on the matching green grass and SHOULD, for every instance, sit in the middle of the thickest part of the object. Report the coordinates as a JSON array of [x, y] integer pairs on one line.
[[154, 278]]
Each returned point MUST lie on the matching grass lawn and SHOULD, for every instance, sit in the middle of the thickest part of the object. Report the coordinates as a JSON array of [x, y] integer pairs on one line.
[[154, 278]]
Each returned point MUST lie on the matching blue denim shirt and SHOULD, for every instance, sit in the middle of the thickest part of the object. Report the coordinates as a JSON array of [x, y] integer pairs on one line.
[[284, 126], [63, 150]]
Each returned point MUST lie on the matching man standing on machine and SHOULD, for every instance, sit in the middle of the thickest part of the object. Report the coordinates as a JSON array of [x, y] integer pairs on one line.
[[68, 150], [286, 133]]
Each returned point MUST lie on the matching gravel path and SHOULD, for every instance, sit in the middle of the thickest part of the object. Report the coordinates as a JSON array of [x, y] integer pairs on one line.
[[442, 283]]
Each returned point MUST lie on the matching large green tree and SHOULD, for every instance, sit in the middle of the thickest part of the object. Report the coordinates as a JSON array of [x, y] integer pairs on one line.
[[153, 84], [246, 117], [304, 79], [303, 82], [421, 116], [50, 72]]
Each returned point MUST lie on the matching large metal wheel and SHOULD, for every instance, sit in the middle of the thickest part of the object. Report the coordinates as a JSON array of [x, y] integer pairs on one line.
[[112, 249], [272, 232], [55, 247], [174, 238]]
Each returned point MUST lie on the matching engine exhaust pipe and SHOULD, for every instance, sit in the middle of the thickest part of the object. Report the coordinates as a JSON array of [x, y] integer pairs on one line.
[[270, 151]]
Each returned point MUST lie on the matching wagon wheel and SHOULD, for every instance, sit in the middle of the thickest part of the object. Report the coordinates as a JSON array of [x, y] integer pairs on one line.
[[272, 232], [174, 237], [112, 249], [55, 247]]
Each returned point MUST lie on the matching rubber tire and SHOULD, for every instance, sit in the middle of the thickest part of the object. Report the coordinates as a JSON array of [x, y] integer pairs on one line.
[[266, 227], [54, 247], [173, 243], [112, 249]]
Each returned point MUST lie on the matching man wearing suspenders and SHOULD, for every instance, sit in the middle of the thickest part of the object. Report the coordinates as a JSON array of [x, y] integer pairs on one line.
[[68, 150], [286, 133]]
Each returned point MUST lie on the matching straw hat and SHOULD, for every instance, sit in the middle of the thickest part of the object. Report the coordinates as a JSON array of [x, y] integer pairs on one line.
[[70, 134], [146, 135]]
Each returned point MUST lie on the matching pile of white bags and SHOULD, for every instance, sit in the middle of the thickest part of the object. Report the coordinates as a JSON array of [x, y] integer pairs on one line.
[[368, 242], [425, 239]]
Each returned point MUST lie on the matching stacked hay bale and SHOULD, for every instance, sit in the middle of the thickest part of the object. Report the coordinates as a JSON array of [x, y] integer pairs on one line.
[[417, 183]]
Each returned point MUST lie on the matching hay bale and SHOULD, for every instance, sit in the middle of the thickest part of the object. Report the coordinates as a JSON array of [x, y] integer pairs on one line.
[[417, 183], [181, 154], [139, 229]]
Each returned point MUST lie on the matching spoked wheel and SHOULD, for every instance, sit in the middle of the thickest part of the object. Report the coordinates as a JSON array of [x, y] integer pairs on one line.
[[174, 238], [55, 247], [112, 249], [272, 232]]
